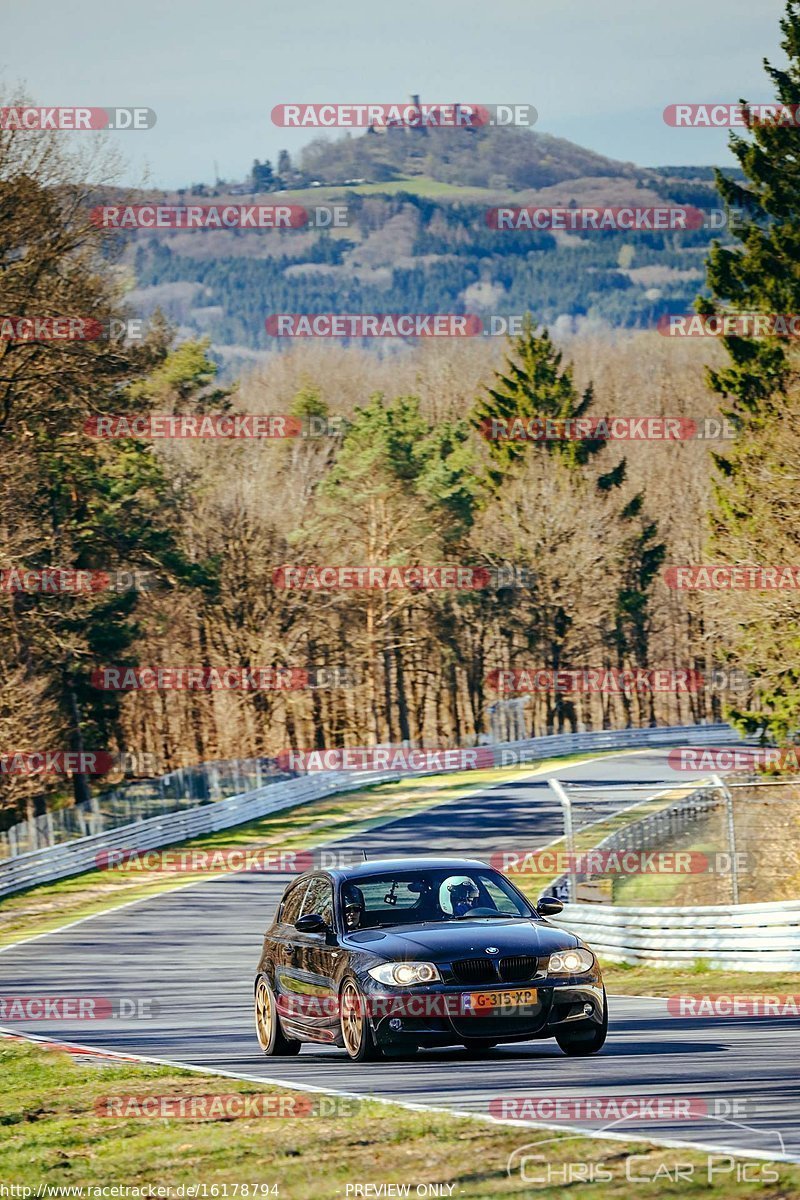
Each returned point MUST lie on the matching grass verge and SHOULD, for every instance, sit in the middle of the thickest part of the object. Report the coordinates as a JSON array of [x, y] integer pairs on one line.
[[416, 185], [532, 882], [54, 1134], [624, 980]]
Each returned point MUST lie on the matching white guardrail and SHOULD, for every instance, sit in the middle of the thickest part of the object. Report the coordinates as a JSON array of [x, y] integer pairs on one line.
[[74, 857], [747, 937]]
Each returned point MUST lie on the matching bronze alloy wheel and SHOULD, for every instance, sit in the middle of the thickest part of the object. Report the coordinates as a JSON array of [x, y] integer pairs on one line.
[[352, 1018], [357, 1035], [271, 1038], [265, 1014]]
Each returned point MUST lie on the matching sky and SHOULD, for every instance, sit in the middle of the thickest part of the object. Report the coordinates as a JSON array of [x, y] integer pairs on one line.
[[212, 70]]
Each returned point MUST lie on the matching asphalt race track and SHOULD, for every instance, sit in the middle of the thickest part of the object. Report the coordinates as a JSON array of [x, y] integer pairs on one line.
[[193, 952]]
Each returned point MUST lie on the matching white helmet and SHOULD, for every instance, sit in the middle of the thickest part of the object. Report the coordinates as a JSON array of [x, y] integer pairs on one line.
[[457, 890]]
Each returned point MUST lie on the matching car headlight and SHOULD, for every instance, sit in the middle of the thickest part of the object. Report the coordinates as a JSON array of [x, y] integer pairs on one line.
[[570, 962], [406, 973]]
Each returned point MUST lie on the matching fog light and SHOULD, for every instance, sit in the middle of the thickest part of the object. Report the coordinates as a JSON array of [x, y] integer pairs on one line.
[[588, 1009], [395, 1024]]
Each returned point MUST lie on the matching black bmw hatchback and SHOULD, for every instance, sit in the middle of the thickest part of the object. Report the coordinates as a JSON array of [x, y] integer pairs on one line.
[[399, 954]]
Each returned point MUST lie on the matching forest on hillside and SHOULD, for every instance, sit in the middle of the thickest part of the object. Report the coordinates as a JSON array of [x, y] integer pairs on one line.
[[407, 252]]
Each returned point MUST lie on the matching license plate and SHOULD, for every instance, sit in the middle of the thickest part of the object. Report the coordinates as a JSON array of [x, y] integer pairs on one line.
[[481, 1002]]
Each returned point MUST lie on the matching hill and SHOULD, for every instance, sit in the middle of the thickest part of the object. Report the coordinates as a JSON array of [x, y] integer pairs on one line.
[[418, 239], [496, 158]]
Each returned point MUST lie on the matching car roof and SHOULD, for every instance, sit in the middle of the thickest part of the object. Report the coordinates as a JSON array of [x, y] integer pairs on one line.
[[378, 866]]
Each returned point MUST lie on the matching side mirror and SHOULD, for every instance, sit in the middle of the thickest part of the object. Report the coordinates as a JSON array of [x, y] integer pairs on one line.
[[548, 906], [311, 923]]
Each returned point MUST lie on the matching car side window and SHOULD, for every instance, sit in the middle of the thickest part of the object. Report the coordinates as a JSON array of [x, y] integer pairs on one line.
[[503, 902], [292, 903], [319, 899]]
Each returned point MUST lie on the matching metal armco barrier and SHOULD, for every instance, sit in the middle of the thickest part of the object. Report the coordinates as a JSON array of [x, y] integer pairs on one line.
[[748, 937], [79, 855], [156, 796], [72, 858], [532, 749]]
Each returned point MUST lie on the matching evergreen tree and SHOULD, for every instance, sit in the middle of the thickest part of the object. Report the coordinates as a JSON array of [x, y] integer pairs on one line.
[[104, 505], [760, 275], [533, 387], [753, 519]]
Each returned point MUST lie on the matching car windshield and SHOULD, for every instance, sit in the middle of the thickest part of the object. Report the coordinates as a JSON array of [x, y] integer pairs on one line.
[[414, 897]]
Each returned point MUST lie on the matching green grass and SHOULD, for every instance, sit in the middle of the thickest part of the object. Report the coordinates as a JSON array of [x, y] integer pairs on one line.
[[304, 827], [624, 980], [531, 883], [416, 185], [52, 1133], [659, 889]]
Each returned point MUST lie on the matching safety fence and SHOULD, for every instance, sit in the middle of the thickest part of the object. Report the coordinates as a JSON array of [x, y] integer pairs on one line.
[[186, 787], [745, 937], [83, 854], [73, 857], [659, 828]]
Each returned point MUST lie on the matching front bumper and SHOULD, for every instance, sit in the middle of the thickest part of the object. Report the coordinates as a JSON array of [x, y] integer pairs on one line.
[[438, 1016]]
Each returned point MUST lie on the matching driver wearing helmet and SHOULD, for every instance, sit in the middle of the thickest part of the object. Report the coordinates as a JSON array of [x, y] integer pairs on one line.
[[464, 896], [353, 906]]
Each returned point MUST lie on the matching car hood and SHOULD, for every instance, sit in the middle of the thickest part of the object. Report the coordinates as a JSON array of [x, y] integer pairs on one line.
[[464, 939]]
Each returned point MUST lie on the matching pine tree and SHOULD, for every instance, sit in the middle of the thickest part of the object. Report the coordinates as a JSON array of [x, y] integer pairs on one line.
[[753, 519], [761, 274], [534, 386]]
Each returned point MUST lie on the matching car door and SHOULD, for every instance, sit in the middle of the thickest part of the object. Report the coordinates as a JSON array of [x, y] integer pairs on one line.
[[282, 936], [316, 958]]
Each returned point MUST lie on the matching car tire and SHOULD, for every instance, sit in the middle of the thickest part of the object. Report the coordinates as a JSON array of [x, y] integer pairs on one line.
[[359, 1040], [584, 1037], [271, 1038]]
